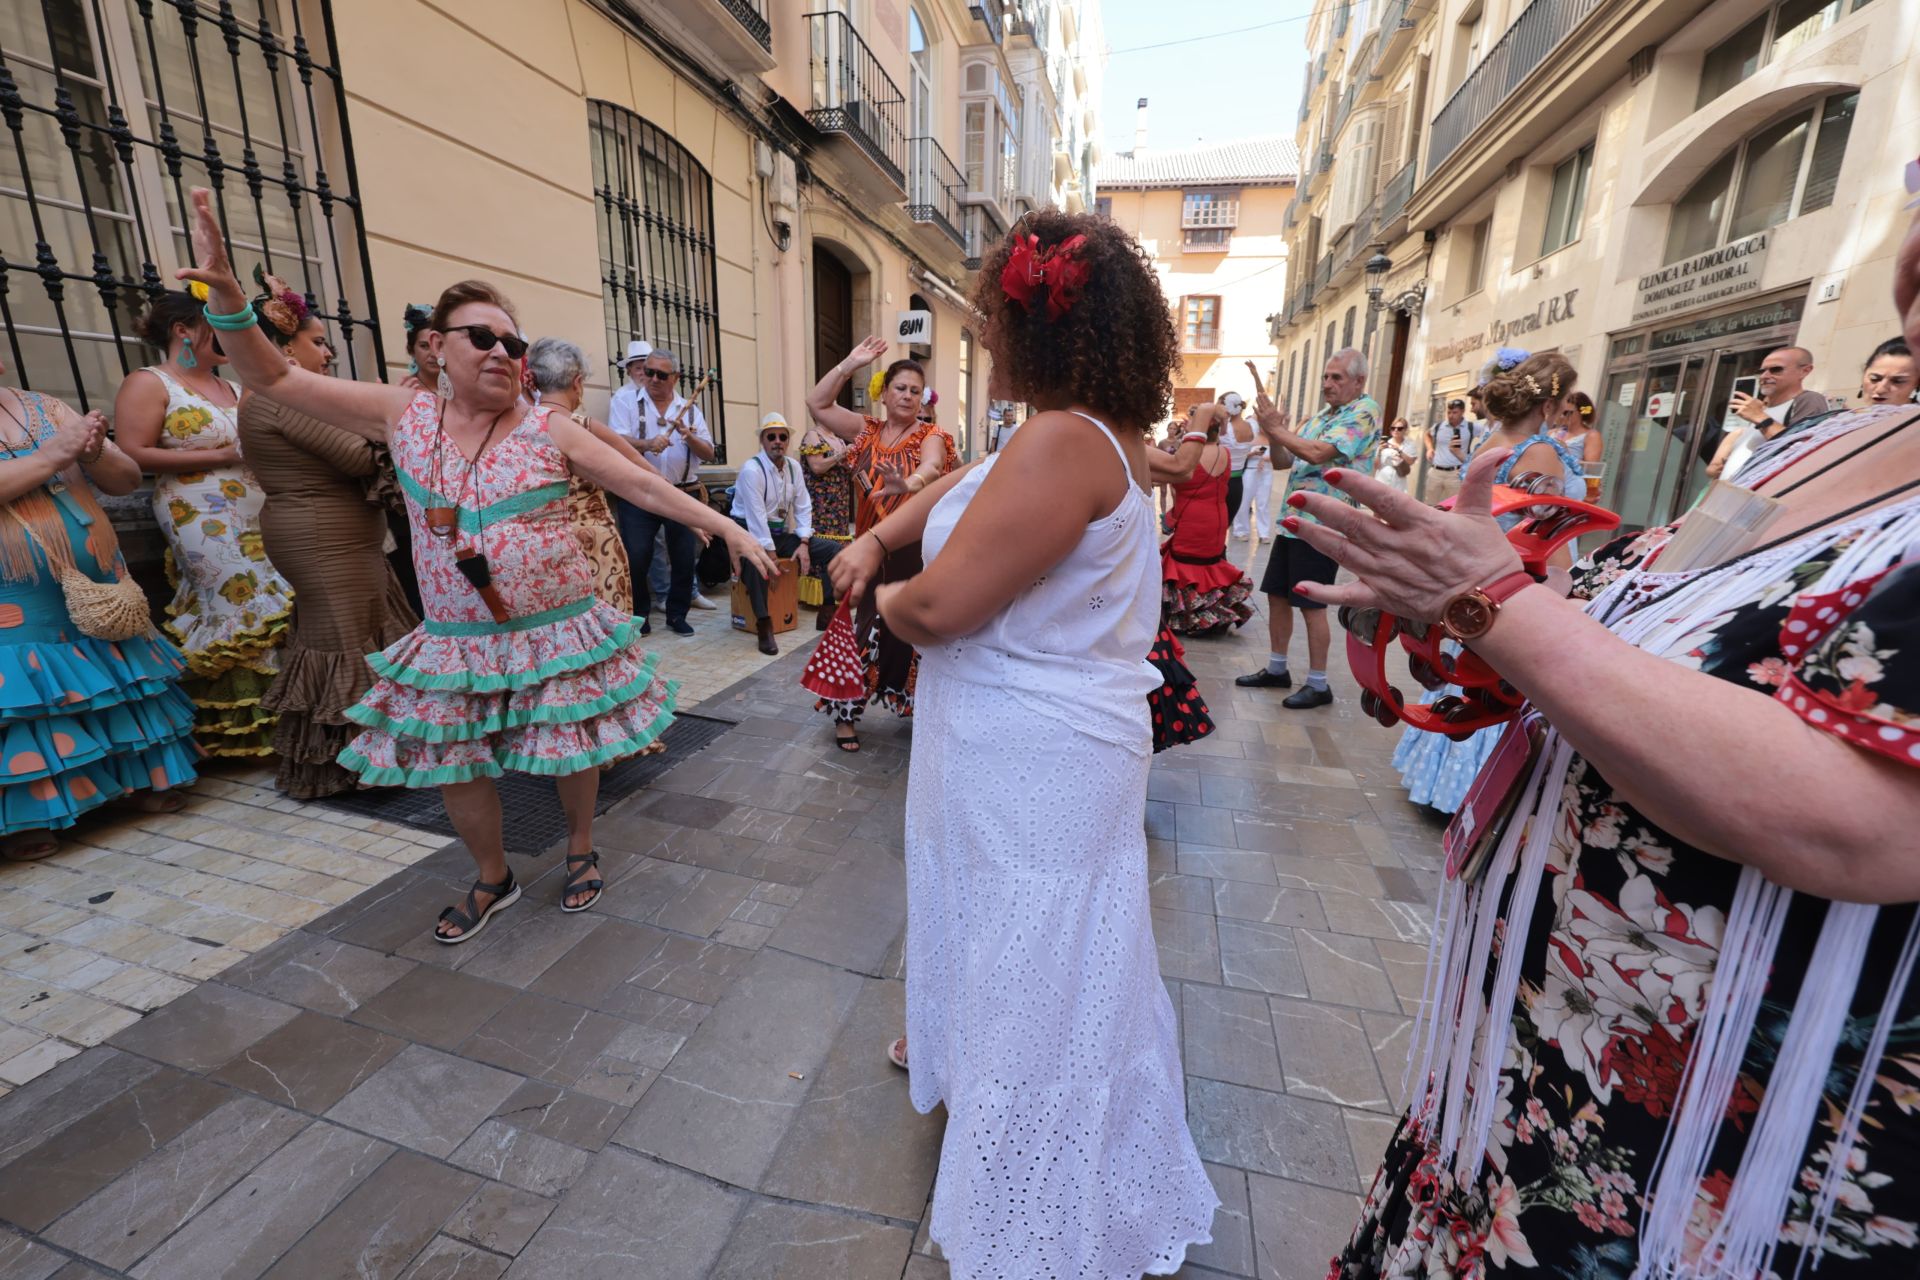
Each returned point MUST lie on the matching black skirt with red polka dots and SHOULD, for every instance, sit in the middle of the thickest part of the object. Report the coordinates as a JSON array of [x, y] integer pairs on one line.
[[1179, 712]]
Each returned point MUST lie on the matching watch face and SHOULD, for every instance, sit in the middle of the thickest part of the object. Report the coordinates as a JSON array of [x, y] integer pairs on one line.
[[1468, 616]]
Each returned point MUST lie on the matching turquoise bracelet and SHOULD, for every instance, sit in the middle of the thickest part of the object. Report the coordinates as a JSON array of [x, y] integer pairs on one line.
[[234, 323]]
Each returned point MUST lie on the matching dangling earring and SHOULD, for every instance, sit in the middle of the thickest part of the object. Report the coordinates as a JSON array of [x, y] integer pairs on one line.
[[444, 386], [186, 359], [413, 368]]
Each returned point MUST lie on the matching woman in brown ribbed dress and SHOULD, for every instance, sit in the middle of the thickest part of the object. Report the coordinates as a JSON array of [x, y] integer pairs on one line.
[[325, 532]]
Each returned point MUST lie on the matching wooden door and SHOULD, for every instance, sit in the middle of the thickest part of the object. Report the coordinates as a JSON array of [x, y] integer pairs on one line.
[[832, 316]]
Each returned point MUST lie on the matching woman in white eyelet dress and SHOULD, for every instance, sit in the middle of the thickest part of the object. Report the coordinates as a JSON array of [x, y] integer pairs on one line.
[[1035, 1008]]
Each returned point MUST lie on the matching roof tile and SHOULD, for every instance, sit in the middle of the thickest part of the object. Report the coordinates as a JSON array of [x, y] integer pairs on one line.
[[1244, 160]]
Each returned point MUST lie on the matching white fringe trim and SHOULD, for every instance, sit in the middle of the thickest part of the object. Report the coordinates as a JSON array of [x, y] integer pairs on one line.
[[1452, 1095]]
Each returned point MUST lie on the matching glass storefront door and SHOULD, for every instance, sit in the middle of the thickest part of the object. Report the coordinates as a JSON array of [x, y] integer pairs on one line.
[[1660, 440], [1666, 407]]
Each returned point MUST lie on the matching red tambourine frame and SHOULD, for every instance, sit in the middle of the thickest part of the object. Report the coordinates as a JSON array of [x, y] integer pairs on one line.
[[1485, 699]]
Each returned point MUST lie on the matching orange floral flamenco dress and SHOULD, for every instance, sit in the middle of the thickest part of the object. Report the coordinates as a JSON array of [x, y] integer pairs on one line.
[[889, 665]]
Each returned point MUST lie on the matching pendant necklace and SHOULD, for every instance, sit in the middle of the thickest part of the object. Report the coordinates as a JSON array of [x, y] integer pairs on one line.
[[444, 521]]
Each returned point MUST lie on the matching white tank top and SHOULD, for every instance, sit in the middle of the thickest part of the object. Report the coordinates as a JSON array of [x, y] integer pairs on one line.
[[1074, 644], [1238, 450]]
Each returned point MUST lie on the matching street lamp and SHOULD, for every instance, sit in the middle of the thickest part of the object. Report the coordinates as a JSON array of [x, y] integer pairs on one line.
[[1377, 267]]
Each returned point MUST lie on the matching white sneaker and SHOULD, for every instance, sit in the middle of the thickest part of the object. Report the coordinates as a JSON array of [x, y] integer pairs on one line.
[[701, 602]]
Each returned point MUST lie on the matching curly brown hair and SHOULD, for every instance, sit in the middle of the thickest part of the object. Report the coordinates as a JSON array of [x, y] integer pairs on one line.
[[1512, 395], [1114, 351]]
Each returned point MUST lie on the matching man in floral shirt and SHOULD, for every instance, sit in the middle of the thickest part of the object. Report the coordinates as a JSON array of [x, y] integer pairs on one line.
[[1341, 435]]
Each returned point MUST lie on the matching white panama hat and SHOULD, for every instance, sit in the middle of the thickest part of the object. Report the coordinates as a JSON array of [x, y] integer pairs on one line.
[[638, 349]]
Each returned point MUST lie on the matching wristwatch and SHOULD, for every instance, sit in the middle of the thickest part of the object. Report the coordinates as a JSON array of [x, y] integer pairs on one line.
[[1471, 614]]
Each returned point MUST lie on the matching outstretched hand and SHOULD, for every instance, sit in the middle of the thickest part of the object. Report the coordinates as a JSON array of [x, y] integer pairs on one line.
[[1410, 559], [871, 348], [211, 266], [854, 569], [893, 479], [746, 551]]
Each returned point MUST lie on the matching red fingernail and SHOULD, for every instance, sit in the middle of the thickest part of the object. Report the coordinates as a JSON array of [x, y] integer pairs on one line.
[[1291, 524], [1297, 500], [1333, 476]]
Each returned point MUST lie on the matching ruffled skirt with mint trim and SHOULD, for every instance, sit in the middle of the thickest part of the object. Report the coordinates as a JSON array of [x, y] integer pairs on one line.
[[552, 700], [86, 721]]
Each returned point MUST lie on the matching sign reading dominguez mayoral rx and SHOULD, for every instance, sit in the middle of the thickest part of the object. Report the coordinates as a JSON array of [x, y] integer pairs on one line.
[[1704, 279]]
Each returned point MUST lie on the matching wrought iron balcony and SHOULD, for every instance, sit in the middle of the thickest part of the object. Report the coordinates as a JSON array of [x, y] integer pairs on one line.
[[988, 12], [853, 96], [753, 16], [1393, 197], [1540, 29], [934, 185]]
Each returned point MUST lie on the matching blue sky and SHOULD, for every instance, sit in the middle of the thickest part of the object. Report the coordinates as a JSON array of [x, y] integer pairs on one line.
[[1213, 88]]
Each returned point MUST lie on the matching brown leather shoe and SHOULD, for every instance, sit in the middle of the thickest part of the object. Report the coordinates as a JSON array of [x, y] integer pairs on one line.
[[764, 629], [823, 617]]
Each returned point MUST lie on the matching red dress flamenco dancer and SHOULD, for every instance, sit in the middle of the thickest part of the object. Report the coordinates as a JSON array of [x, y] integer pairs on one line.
[[1179, 712], [1204, 593]]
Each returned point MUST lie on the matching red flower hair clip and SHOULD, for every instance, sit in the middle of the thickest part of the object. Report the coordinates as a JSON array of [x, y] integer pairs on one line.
[[1057, 267]]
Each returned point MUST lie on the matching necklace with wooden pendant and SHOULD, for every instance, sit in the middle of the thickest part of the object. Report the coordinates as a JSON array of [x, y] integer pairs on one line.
[[444, 521]]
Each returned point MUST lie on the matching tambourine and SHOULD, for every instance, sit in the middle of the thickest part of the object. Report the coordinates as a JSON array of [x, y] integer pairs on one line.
[[1551, 521]]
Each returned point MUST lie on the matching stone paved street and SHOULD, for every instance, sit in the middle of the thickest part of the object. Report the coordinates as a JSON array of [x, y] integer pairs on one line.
[[689, 1080]]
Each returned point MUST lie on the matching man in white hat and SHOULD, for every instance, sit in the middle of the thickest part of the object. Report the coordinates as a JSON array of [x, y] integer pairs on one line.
[[625, 416], [771, 502]]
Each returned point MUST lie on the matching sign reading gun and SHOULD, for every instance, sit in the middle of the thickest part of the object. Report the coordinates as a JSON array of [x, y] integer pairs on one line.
[[1485, 699]]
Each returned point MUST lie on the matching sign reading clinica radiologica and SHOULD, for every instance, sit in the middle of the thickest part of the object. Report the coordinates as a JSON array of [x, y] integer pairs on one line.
[[1706, 278]]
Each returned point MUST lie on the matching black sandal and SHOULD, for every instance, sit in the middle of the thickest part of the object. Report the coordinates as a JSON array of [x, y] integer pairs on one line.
[[595, 886], [471, 921], [850, 743]]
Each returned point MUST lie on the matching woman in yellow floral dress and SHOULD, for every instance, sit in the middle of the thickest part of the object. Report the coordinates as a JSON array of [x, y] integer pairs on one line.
[[230, 609]]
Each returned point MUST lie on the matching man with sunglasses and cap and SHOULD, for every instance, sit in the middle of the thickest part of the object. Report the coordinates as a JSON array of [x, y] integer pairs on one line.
[[771, 502], [673, 434]]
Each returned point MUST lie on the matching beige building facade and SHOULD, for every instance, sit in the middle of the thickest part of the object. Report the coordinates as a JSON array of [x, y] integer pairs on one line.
[[1661, 192], [1212, 218], [753, 184]]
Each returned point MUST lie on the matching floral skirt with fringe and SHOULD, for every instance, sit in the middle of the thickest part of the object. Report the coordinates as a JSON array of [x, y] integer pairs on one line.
[[454, 702], [230, 610]]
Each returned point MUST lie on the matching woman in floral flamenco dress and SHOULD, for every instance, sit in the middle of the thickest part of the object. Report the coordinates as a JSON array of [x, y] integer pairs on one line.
[[517, 667], [1672, 1027], [230, 609]]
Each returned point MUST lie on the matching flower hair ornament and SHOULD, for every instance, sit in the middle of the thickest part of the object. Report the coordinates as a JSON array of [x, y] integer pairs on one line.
[[1058, 267], [1505, 360], [281, 307]]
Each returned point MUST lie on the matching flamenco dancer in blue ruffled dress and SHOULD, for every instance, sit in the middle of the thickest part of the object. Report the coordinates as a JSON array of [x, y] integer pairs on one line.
[[1524, 395], [83, 720]]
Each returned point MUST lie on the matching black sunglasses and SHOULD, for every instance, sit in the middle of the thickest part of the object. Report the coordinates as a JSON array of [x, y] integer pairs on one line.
[[659, 375], [483, 339], [775, 437]]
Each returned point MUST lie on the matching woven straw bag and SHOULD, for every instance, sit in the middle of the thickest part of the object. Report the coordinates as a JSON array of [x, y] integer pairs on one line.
[[115, 610]]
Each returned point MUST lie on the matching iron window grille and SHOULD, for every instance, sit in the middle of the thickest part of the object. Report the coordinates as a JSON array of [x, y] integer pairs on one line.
[[113, 111], [656, 249]]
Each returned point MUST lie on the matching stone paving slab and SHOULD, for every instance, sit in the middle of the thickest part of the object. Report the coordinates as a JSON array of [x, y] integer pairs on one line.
[[689, 1080]]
